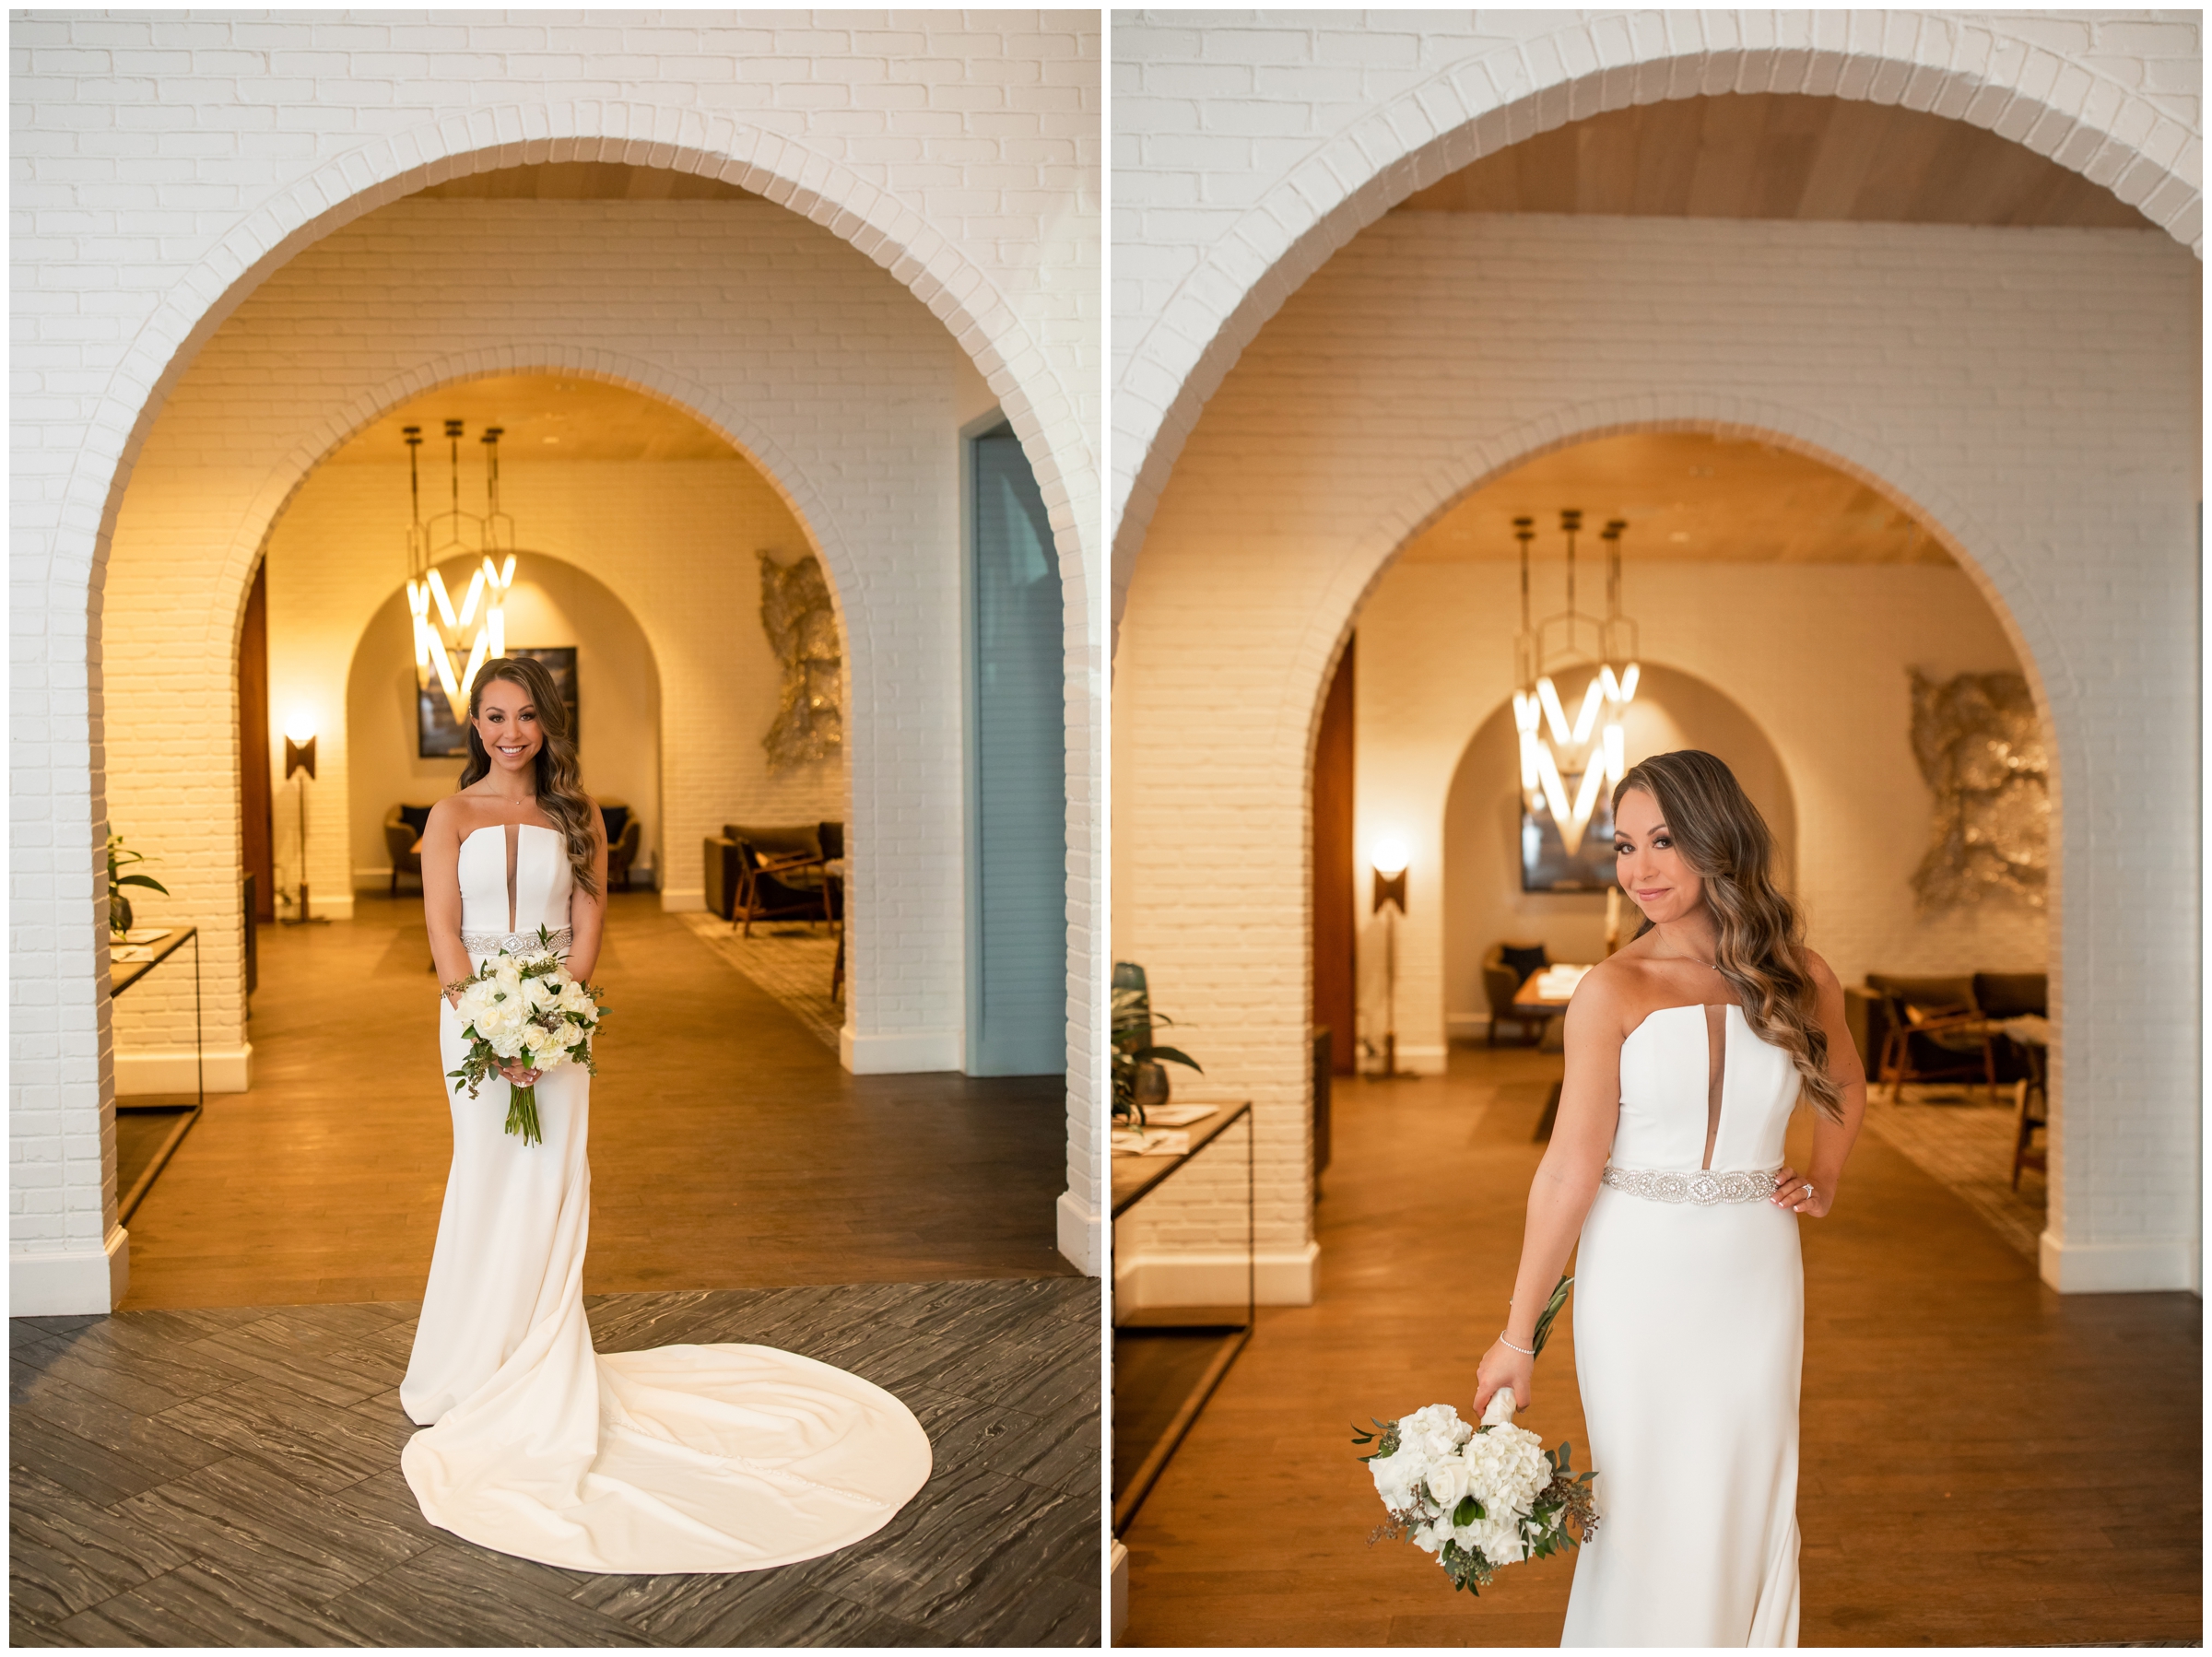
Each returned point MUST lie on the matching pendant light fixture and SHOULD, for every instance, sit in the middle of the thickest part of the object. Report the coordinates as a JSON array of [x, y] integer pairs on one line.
[[444, 633], [1567, 763]]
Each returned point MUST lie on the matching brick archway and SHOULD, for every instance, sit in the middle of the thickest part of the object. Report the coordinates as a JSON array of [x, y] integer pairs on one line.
[[1488, 100]]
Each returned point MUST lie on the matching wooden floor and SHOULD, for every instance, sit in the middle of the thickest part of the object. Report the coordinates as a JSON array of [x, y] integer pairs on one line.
[[231, 1478], [1983, 1462], [729, 1150]]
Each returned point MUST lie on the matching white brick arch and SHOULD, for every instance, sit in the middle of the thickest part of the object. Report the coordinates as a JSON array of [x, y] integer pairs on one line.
[[784, 473], [818, 188], [1892, 474], [1490, 98]]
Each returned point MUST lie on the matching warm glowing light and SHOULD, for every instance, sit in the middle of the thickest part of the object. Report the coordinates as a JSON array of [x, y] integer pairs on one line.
[[1617, 755], [1553, 712], [1390, 855], [476, 658], [506, 573], [419, 597], [1586, 719], [445, 604], [1627, 684], [299, 726], [495, 625], [476, 591]]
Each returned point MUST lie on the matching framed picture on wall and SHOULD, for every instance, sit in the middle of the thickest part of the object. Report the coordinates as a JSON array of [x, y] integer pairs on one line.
[[1545, 864], [438, 738]]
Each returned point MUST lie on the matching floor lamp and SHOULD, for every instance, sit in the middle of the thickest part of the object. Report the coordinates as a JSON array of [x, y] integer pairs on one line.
[[300, 756], [1390, 903]]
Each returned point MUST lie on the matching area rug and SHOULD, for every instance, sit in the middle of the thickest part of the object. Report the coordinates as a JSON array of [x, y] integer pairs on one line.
[[1967, 1144], [791, 963]]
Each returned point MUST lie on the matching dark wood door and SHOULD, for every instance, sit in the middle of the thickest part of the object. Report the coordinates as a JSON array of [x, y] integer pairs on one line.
[[1333, 932], [258, 859]]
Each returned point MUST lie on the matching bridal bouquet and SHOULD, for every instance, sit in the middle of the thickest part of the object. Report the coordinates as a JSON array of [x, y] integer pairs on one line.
[[525, 1009], [1479, 1498]]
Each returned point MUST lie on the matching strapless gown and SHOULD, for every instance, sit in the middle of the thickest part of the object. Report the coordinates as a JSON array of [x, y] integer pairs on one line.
[[1689, 1339], [690, 1458]]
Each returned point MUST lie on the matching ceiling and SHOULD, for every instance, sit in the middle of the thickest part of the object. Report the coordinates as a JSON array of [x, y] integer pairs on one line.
[[1777, 156], [1688, 497], [544, 418], [586, 182]]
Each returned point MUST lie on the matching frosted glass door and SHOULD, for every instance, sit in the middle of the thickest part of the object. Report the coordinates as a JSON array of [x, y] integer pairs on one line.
[[1018, 933]]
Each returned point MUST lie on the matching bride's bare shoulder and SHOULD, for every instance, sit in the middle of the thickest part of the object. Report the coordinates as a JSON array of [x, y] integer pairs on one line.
[[451, 815], [1610, 989]]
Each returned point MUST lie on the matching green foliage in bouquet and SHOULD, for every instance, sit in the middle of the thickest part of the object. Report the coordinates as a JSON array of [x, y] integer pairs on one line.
[[1565, 1500], [483, 1061], [1134, 1022]]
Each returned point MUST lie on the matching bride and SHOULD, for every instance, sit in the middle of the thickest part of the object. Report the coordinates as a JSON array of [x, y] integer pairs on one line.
[[719, 1458], [1686, 1054]]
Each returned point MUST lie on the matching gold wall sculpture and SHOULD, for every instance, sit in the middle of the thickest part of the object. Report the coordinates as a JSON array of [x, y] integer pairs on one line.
[[800, 624], [1980, 743]]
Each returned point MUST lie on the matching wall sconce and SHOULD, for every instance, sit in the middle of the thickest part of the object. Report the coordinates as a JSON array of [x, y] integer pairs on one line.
[[300, 756], [1389, 861]]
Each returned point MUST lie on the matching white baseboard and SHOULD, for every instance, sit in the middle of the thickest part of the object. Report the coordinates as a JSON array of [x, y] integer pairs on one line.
[[173, 1070], [1081, 1233], [2121, 1269], [57, 1285], [683, 899], [898, 1053], [1117, 1594], [1215, 1277], [1424, 1061]]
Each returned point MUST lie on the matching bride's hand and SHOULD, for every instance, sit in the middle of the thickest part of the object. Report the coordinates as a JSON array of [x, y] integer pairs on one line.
[[1503, 1367], [1800, 1195], [520, 1076]]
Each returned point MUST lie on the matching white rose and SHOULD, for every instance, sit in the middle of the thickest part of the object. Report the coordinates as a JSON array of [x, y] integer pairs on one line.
[[1449, 1481]]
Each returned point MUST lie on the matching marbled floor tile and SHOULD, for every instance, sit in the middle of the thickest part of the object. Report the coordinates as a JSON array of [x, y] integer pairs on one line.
[[205, 1603], [310, 1522], [66, 1553], [247, 1517], [346, 1376], [163, 1448], [443, 1597], [316, 1445], [99, 1475]]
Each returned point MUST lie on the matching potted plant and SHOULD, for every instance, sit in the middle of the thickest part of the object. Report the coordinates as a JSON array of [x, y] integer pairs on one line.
[[120, 858], [1139, 1076]]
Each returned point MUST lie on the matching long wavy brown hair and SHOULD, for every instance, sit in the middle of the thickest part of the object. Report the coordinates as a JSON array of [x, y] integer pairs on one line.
[[560, 779], [1761, 951]]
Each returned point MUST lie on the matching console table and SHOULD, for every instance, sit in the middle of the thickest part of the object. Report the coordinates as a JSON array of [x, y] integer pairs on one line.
[[1184, 1351], [128, 964]]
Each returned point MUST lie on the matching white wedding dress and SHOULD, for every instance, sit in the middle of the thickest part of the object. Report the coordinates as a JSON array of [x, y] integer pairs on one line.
[[718, 1458], [1689, 1337]]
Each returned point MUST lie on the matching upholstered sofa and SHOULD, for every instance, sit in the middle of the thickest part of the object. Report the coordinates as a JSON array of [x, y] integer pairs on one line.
[[1954, 1049], [758, 873], [1504, 969]]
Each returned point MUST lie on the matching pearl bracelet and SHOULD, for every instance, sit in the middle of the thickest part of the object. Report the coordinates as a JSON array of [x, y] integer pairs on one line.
[[1524, 1351]]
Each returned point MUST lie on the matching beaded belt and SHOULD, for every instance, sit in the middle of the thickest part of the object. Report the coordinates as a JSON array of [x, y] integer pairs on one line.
[[1705, 1187], [512, 942]]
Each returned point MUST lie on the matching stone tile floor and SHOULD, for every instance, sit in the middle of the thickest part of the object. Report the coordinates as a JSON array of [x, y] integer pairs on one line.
[[231, 1478]]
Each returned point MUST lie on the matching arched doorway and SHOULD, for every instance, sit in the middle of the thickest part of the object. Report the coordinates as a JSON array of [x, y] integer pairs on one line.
[[1485, 898], [1439, 348], [174, 531]]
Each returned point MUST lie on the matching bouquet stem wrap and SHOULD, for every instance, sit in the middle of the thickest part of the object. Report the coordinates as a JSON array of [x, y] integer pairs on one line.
[[525, 1009]]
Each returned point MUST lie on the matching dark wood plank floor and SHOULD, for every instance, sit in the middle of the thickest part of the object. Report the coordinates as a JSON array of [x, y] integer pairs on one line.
[[231, 1478], [729, 1150], [1984, 1462]]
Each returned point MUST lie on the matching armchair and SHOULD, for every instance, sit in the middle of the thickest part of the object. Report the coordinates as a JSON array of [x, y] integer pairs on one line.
[[404, 825], [625, 835], [1504, 969]]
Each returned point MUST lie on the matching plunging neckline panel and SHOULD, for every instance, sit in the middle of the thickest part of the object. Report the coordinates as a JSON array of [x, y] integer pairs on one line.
[[513, 834]]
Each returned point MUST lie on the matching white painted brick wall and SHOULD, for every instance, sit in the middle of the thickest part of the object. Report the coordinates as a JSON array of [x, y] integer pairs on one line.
[[2032, 394], [1249, 146], [165, 165]]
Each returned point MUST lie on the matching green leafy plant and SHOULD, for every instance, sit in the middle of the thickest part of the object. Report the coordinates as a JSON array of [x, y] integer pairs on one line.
[[120, 857], [1134, 1022]]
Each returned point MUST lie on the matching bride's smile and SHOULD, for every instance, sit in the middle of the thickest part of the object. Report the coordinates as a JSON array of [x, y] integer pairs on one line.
[[508, 725]]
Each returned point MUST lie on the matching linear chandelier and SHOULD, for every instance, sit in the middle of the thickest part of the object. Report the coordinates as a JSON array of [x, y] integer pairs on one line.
[[1567, 763], [444, 636]]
